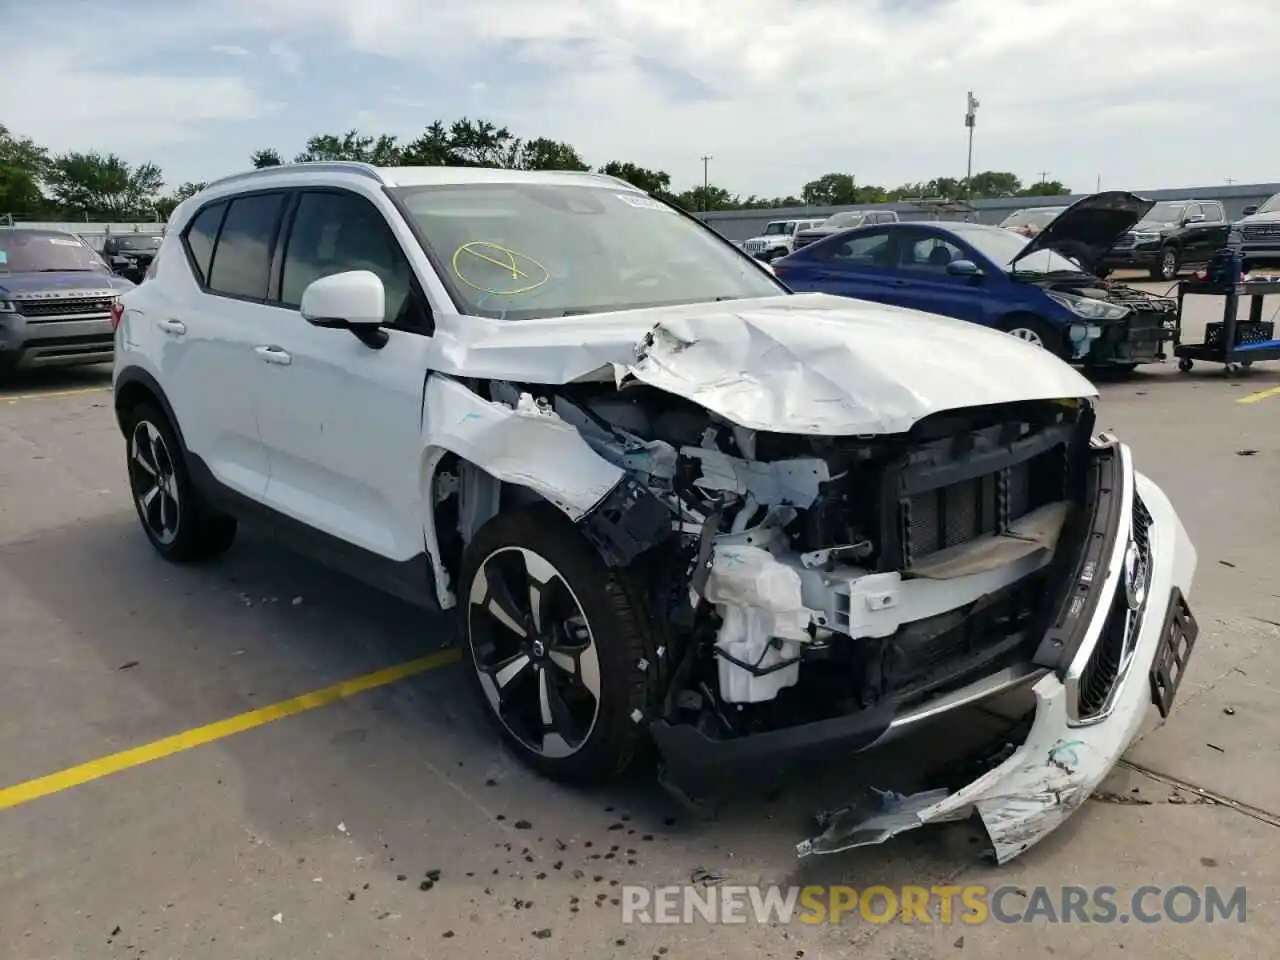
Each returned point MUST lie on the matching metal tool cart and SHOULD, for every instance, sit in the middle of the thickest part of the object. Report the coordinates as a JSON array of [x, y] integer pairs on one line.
[[1237, 344]]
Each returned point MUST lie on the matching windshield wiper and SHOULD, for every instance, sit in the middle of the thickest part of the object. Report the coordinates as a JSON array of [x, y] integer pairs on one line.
[[64, 270]]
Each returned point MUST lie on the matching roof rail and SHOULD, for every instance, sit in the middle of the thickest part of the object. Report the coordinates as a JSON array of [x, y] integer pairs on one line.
[[306, 166]]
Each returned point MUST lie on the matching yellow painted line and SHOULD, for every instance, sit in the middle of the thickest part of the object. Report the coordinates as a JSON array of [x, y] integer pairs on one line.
[[1260, 395], [189, 739], [14, 398]]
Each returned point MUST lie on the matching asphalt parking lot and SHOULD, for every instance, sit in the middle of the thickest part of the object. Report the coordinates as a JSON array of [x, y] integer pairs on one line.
[[382, 816]]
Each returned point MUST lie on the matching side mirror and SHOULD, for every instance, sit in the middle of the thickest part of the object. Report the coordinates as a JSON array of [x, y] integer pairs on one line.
[[1250, 210], [1195, 218], [964, 268], [354, 300]]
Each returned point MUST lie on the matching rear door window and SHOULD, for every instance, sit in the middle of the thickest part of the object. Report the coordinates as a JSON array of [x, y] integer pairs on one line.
[[869, 250], [242, 257]]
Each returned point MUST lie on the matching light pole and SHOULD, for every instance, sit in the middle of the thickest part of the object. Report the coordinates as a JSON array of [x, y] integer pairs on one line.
[[706, 182], [970, 119]]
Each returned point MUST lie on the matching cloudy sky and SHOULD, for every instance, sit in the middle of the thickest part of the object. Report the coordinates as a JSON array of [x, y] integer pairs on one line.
[[1142, 94]]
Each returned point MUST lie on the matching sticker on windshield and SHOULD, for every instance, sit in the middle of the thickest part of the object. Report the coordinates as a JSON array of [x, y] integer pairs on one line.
[[4, 257], [62, 242], [642, 202]]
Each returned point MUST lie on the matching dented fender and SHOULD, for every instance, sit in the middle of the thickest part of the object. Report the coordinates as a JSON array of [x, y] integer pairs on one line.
[[524, 445]]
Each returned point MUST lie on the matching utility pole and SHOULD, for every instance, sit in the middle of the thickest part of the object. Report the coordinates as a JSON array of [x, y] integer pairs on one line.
[[1044, 174], [706, 183], [970, 119], [1230, 180], [1098, 187]]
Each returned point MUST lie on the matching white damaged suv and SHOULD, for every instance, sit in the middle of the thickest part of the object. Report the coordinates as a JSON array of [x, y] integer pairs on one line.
[[674, 505]]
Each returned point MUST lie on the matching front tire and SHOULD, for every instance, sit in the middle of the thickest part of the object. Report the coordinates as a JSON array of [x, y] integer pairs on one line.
[[561, 647], [1037, 332], [179, 524], [1169, 265]]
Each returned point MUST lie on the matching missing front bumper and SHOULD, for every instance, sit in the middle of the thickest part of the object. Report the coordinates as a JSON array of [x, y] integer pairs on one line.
[[1064, 757]]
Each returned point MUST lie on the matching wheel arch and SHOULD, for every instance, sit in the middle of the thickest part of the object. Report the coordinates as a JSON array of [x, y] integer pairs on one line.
[[134, 386], [451, 483]]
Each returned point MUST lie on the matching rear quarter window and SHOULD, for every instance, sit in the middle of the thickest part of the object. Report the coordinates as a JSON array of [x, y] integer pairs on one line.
[[199, 239]]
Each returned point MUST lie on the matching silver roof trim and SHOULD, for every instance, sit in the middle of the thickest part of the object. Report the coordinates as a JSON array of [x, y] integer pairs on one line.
[[305, 167]]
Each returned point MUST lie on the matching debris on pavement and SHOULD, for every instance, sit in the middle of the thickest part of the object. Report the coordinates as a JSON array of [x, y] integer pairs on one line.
[[1229, 711], [278, 918], [703, 877], [128, 666]]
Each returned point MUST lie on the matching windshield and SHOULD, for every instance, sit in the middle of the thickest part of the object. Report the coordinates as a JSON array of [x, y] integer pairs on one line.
[[525, 250], [1166, 213], [39, 251], [138, 243], [1032, 218], [778, 226], [1271, 206], [1001, 246], [850, 219]]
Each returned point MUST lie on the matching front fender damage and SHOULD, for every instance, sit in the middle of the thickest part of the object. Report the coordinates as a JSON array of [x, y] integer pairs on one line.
[[521, 444]]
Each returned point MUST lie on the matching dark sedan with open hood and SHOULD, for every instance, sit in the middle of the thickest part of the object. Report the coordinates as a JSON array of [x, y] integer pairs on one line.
[[1044, 290]]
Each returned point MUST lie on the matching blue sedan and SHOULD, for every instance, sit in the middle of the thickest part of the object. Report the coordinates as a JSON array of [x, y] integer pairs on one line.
[[994, 277]]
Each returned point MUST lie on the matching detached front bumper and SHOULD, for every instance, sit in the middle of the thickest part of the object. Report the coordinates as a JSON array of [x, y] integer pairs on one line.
[[1135, 339], [1088, 710]]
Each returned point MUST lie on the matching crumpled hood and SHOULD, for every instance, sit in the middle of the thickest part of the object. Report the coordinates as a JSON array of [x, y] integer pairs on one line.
[[803, 364]]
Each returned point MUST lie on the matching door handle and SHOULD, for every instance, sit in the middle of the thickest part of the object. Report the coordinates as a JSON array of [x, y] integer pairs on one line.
[[175, 327], [273, 354]]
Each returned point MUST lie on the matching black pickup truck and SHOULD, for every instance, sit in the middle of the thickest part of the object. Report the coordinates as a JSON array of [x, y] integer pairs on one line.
[[56, 296], [1175, 234], [131, 253]]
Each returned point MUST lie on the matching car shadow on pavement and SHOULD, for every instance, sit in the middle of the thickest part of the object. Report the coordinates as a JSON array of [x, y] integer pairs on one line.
[[186, 646], [54, 379]]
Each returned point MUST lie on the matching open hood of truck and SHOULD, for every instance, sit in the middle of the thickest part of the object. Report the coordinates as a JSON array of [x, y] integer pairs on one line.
[[1087, 229], [804, 364]]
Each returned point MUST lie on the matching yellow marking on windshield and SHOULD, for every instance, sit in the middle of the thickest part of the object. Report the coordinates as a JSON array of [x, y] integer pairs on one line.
[[505, 259]]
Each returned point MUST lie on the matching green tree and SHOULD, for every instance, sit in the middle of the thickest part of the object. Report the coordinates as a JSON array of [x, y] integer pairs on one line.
[[99, 186], [544, 154], [657, 182], [831, 190], [994, 183], [381, 151], [267, 157], [479, 143], [431, 149], [23, 165], [165, 205], [1046, 188], [707, 199]]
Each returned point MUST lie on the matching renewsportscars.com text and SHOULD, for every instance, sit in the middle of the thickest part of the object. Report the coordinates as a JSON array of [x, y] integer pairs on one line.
[[969, 904]]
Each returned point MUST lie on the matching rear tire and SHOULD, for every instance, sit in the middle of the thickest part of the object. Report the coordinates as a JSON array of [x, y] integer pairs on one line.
[[567, 687], [181, 526]]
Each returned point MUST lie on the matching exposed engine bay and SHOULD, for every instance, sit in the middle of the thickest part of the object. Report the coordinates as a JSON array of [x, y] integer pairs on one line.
[[812, 579]]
